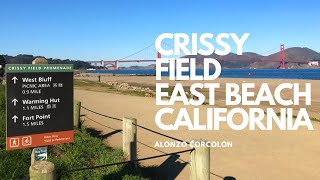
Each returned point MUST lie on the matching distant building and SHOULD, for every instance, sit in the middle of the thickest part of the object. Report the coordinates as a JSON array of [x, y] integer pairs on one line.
[[313, 63], [96, 63]]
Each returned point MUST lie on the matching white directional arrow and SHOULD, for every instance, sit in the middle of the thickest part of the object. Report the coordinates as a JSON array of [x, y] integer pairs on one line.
[[15, 118], [14, 102], [14, 79]]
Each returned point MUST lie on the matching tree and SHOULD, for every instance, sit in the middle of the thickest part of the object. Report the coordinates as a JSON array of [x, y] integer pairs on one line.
[[2, 61], [2, 67], [39, 60]]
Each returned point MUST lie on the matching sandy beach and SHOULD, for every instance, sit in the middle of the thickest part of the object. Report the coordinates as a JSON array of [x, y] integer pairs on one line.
[[255, 154]]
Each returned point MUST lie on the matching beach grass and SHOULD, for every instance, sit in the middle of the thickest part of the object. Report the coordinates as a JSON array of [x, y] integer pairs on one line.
[[104, 87]]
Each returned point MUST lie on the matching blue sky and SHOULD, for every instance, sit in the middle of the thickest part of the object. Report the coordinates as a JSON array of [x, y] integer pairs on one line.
[[95, 30]]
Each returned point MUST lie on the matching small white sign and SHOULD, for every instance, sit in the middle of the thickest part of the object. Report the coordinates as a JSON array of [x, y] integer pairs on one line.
[[40, 154]]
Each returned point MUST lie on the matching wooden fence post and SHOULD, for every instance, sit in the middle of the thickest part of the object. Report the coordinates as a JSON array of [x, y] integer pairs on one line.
[[40, 170], [130, 138], [32, 156], [76, 113], [200, 162]]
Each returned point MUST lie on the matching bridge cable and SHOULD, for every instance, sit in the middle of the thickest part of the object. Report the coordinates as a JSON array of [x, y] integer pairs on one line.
[[136, 52]]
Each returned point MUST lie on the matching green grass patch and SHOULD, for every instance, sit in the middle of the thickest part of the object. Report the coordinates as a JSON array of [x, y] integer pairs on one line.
[[104, 87], [86, 151], [13, 164], [314, 119], [87, 83]]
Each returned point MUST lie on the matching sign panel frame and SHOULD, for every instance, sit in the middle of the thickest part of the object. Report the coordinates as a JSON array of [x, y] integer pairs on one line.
[[39, 105]]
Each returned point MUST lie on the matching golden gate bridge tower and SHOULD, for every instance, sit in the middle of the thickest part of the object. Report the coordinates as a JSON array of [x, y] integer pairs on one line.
[[282, 56]]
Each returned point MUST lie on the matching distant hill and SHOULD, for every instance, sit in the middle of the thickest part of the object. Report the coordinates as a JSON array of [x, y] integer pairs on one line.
[[297, 53], [247, 60], [151, 66], [230, 60], [27, 59], [254, 60]]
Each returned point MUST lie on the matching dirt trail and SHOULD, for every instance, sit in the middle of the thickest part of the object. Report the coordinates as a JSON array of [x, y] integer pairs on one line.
[[255, 154]]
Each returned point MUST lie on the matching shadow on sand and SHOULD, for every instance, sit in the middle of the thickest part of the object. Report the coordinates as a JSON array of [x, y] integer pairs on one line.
[[168, 170], [98, 134]]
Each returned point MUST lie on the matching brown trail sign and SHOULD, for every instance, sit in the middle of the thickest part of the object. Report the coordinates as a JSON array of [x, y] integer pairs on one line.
[[39, 105]]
